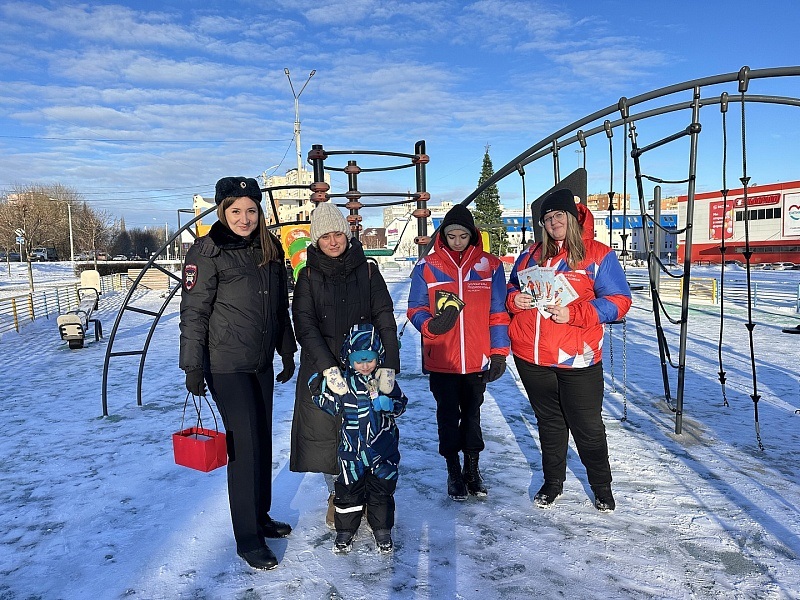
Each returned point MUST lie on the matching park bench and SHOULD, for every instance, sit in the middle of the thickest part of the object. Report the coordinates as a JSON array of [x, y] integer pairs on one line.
[[152, 279], [73, 325]]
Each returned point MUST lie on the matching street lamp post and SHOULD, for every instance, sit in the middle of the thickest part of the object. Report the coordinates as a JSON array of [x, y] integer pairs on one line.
[[69, 220], [71, 243], [297, 118]]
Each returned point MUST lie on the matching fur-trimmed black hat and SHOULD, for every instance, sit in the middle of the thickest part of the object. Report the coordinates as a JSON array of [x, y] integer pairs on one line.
[[561, 199], [237, 187]]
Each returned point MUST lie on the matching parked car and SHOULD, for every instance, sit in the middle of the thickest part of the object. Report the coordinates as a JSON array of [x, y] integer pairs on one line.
[[120, 257], [14, 257], [780, 266], [43, 254], [102, 256]]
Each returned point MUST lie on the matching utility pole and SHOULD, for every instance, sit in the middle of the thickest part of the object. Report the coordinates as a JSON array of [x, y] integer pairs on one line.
[[71, 243], [297, 119]]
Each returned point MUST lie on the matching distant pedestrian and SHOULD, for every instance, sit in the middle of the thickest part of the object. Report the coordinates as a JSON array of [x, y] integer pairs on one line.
[[558, 348], [368, 452], [234, 317], [457, 302]]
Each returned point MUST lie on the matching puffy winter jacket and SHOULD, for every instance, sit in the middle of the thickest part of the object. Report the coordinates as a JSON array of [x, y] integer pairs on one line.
[[482, 326], [233, 311], [330, 296], [369, 438], [603, 296]]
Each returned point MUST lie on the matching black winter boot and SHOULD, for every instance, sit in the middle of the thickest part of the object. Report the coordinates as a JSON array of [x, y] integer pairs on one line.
[[548, 493], [261, 558], [603, 498], [343, 542], [383, 540], [274, 529], [472, 475], [456, 488]]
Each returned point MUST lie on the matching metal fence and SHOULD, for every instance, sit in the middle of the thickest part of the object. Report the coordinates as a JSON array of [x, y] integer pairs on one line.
[[18, 311], [707, 290]]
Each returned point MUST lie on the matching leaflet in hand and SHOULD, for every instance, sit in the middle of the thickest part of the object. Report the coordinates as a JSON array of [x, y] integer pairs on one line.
[[546, 286], [445, 299]]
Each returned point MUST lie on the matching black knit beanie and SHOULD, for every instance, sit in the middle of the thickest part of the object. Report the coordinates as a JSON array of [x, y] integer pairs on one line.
[[459, 217], [561, 199]]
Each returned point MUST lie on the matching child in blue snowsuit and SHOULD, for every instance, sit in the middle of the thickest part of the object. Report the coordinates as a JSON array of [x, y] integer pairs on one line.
[[368, 448]]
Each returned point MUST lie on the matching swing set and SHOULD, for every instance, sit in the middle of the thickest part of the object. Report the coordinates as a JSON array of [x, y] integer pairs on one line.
[[599, 123]]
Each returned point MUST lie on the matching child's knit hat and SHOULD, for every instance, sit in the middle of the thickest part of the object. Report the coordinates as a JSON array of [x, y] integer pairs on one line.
[[362, 344]]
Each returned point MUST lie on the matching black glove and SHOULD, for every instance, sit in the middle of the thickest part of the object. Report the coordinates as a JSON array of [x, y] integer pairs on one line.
[[288, 368], [195, 382], [496, 368], [444, 321]]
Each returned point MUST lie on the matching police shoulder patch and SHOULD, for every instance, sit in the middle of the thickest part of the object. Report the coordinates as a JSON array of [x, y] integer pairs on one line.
[[189, 276]]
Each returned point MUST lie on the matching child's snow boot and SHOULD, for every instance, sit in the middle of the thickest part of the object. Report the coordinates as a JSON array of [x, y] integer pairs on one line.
[[344, 542], [383, 540], [603, 498]]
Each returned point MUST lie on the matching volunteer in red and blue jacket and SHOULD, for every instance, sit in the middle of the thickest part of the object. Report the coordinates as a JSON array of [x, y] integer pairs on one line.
[[558, 351], [464, 342]]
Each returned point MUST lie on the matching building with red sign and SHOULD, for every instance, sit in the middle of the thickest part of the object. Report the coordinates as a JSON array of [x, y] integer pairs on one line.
[[772, 218]]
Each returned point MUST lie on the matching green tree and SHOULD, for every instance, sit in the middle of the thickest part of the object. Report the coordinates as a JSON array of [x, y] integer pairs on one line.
[[487, 213], [122, 244]]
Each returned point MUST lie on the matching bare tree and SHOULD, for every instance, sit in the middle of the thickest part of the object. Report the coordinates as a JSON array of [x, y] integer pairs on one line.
[[28, 210], [42, 212], [408, 249], [94, 230]]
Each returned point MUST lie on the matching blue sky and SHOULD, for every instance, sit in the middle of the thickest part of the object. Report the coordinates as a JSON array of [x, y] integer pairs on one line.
[[140, 105]]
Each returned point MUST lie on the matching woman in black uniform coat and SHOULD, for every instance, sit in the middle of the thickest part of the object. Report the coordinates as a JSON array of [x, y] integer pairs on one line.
[[234, 316]]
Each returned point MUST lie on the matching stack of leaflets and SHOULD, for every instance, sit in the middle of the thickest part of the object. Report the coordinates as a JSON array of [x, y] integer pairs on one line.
[[546, 286]]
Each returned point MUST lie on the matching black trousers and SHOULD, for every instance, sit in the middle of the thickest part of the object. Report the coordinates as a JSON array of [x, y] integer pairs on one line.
[[458, 411], [568, 400], [349, 500], [245, 403]]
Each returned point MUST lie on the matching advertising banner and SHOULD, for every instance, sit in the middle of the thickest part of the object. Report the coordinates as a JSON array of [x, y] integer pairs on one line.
[[790, 215], [720, 222], [756, 201]]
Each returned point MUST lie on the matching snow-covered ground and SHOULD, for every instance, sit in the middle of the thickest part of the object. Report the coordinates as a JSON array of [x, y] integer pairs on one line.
[[95, 507]]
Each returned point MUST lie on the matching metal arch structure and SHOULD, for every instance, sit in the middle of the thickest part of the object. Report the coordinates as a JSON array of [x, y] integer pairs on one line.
[[155, 315], [319, 193], [620, 115]]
